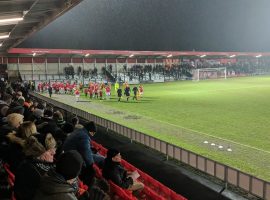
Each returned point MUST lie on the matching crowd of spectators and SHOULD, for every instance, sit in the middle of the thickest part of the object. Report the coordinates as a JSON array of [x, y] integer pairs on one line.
[[51, 157]]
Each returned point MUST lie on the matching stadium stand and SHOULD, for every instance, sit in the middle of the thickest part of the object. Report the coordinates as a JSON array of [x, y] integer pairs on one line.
[[153, 189]]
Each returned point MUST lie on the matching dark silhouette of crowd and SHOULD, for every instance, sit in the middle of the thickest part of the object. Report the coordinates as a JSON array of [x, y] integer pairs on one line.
[[51, 156]]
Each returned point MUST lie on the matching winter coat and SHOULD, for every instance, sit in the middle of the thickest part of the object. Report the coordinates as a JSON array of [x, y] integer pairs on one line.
[[80, 140], [54, 187], [14, 155], [28, 176], [116, 173]]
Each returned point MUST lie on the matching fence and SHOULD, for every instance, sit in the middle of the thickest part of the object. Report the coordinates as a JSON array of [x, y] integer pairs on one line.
[[223, 172]]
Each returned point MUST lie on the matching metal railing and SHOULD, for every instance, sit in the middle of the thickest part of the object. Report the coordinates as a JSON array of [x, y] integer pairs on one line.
[[247, 182]]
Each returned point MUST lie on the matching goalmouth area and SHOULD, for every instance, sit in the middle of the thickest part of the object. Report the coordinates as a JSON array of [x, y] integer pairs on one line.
[[225, 120]]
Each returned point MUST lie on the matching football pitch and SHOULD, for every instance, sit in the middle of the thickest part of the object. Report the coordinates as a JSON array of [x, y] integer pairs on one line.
[[232, 113]]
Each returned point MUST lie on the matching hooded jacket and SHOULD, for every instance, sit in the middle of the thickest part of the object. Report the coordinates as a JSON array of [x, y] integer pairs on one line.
[[54, 187], [116, 173]]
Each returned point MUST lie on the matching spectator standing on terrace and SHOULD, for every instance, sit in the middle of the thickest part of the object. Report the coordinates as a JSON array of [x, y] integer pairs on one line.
[[58, 184], [114, 171], [80, 140]]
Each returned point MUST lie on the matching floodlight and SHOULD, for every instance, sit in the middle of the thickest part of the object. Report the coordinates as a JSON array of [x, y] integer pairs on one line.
[[202, 56], [169, 56], [4, 36], [232, 56], [10, 20], [86, 55], [258, 56], [131, 55]]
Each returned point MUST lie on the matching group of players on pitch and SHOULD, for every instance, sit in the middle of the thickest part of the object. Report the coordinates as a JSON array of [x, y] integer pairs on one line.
[[94, 90]]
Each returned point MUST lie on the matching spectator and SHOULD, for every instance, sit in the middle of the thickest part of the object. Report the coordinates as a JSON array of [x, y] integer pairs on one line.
[[4, 104], [15, 155], [115, 172], [13, 122], [57, 185], [80, 140], [39, 151]]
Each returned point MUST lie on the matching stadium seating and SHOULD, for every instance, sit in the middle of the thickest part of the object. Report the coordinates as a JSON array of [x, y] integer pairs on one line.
[[11, 179], [153, 189]]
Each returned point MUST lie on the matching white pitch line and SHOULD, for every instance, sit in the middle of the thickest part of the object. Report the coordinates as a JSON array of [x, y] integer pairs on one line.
[[231, 141]]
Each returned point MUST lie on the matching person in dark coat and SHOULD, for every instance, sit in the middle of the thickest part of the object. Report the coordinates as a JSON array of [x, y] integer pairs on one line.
[[80, 140], [50, 91], [114, 171], [119, 93], [40, 151], [15, 155], [57, 185]]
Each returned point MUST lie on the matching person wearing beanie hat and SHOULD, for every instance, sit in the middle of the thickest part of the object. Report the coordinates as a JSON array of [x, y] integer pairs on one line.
[[114, 171], [39, 151], [38, 113], [69, 164], [58, 184], [80, 140]]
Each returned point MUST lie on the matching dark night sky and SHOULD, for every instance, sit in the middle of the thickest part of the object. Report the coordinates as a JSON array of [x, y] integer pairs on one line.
[[203, 25]]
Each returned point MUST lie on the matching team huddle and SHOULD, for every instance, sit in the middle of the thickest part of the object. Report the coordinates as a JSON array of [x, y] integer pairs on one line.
[[93, 91]]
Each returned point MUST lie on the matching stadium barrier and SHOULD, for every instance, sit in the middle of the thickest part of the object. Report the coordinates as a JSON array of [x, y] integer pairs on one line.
[[227, 174]]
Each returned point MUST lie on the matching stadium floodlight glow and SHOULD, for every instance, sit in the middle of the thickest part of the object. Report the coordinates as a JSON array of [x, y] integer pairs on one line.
[[86, 55], [10, 20], [4, 36], [202, 56], [131, 55], [258, 56], [232, 56], [169, 56]]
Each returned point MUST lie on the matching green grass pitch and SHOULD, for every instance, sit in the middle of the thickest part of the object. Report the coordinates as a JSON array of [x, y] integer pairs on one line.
[[233, 113]]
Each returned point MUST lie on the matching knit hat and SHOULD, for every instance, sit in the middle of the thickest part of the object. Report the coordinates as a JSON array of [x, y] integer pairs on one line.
[[111, 153], [19, 93], [38, 113], [36, 145], [48, 113], [58, 117], [69, 164], [90, 126]]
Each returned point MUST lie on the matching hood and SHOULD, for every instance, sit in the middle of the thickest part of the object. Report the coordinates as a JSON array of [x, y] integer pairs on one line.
[[15, 139]]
